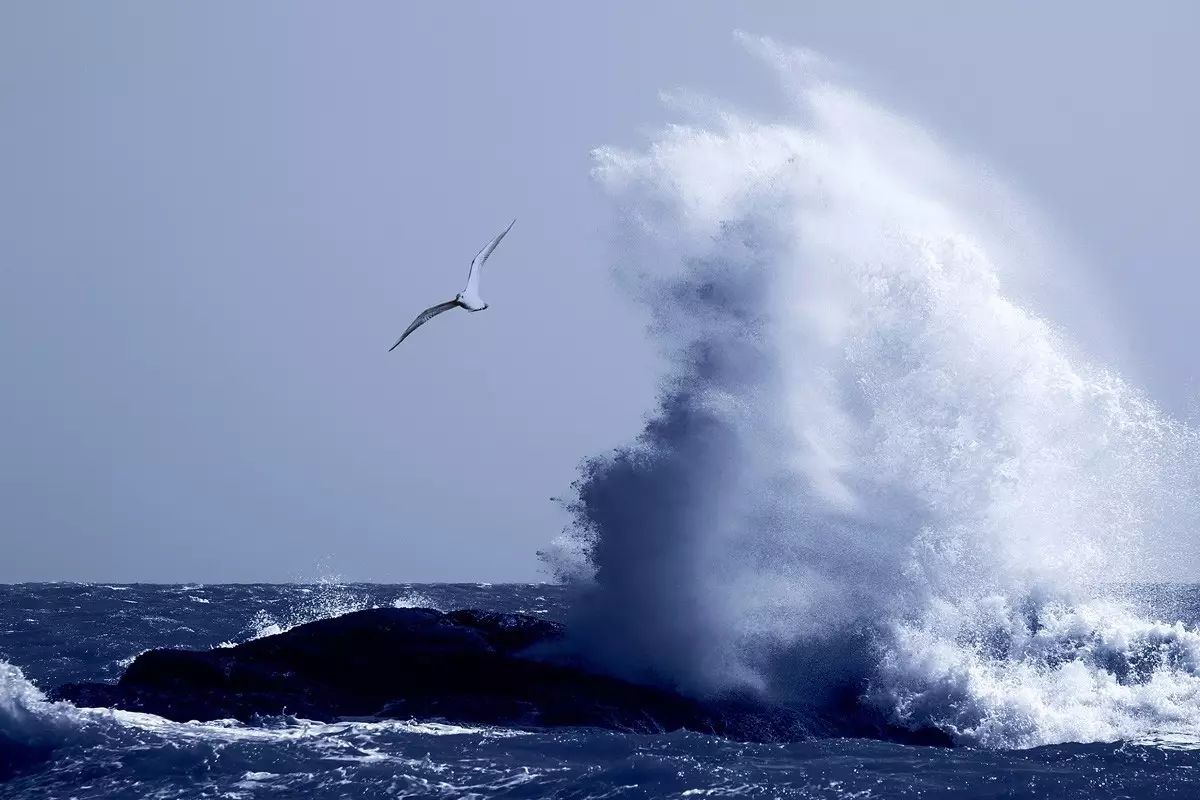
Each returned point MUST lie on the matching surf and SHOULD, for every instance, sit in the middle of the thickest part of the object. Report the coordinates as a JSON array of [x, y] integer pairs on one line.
[[875, 466]]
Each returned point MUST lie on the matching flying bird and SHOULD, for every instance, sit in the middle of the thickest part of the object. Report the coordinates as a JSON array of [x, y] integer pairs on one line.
[[468, 298]]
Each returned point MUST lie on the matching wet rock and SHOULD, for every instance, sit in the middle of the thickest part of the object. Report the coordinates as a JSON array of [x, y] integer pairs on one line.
[[463, 666]]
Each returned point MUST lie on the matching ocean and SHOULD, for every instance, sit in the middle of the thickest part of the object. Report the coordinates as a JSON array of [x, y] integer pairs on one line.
[[889, 461], [54, 633]]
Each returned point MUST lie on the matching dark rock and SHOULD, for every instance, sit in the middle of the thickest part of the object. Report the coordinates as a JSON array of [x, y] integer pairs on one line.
[[464, 666]]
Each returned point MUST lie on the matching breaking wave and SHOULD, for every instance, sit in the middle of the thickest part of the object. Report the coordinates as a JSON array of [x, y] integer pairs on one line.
[[30, 725], [874, 466]]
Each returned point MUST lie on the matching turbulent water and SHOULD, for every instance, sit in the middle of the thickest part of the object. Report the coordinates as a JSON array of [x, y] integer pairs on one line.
[[879, 470], [877, 465], [57, 633]]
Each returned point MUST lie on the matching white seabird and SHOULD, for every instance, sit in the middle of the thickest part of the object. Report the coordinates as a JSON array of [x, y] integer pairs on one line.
[[468, 298]]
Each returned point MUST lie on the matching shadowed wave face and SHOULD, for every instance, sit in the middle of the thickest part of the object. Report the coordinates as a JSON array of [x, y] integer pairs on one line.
[[873, 466]]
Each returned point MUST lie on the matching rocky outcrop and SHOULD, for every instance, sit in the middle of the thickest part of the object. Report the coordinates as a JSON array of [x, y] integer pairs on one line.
[[462, 666]]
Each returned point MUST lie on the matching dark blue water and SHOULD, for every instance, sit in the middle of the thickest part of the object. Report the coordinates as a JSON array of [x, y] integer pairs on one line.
[[59, 633]]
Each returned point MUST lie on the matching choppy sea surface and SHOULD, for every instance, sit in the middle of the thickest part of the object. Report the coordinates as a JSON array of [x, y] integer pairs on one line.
[[54, 633]]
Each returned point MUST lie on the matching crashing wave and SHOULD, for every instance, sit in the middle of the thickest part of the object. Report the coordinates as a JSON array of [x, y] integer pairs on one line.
[[30, 725], [874, 465]]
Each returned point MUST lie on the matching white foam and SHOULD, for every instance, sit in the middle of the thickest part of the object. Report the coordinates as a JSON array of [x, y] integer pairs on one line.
[[26, 716], [874, 459], [230, 730], [1084, 672]]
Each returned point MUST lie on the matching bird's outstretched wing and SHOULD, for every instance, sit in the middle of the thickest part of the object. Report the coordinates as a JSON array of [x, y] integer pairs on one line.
[[424, 317], [472, 289]]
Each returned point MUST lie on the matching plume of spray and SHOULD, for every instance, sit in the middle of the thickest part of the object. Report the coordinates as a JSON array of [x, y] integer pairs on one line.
[[872, 468]]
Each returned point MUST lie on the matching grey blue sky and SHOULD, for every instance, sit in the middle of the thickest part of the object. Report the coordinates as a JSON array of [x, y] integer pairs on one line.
[[216, 217]]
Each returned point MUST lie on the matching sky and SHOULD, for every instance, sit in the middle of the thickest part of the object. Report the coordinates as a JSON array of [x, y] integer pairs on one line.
[[216, 218]]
